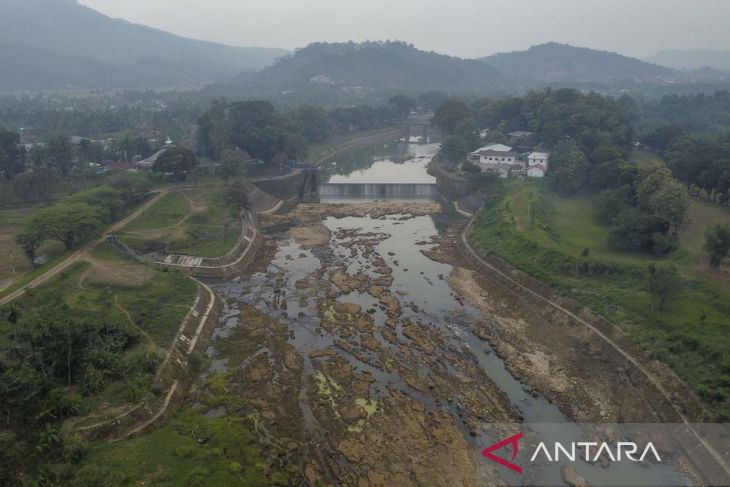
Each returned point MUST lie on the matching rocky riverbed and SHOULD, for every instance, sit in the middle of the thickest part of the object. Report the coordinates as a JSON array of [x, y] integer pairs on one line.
[[369, 354]]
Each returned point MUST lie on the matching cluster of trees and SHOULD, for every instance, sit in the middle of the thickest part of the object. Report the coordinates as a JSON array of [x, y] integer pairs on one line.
[[252, 126], [456, 120], [31, 175], [82, 216], [171, 113], [645, 212], [266, 133], [589, 135], [700, 160], [53, 356], [696, 112]]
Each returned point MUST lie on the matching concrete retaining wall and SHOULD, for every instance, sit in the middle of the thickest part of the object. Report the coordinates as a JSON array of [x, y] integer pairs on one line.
[[172, 381], [231, 264]]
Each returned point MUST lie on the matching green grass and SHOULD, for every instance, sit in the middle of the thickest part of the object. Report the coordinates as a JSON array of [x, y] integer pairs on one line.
[[229, 456], [207, 235], [202, 234], [692, 335], [26, 278], [169, 210], [159, 307]]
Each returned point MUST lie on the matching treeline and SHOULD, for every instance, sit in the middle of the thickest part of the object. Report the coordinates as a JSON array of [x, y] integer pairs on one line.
[[693, 113], [590, 139], [94, 116], [589, 135], [700, 160], [270, 135]]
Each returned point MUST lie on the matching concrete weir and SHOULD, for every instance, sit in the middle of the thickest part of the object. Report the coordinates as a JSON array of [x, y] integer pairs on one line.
[[375, 190]]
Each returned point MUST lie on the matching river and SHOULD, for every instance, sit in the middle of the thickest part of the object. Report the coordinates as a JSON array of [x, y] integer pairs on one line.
[[374, 356]]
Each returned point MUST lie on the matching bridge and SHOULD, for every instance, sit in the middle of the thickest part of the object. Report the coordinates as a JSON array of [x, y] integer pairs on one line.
[[418, 123]]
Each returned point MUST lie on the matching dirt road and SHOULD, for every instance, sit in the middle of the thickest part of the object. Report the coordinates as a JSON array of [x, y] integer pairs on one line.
[[83, 251]]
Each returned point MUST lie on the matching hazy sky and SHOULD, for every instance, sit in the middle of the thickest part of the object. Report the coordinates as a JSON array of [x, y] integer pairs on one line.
[[468, 28]]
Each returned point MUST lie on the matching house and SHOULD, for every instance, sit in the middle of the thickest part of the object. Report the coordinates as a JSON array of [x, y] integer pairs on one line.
[[497, 158], [149, 163], [537, 164]]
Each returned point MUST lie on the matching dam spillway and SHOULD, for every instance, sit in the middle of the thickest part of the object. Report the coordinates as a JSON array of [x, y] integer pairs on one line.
[[404, 177], [378, 190]]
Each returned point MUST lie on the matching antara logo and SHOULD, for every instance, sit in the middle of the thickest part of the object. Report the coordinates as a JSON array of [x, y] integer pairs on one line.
[[512, 440], [591, 452]]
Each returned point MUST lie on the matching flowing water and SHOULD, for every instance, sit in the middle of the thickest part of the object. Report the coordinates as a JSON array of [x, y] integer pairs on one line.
[[422, 288]]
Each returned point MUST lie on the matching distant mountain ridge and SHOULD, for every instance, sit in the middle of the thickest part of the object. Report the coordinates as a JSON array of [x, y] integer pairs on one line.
[[373, 66], [554, 62], [691, 59], [136, 55]]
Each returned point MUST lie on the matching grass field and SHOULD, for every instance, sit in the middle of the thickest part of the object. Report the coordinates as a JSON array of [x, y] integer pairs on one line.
[[168, 211], [230, 454], [692, 334], [13, 262], [192, 222]]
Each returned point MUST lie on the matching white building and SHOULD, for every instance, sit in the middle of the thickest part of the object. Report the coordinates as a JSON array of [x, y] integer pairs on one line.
[[537, 164], [497, 158]]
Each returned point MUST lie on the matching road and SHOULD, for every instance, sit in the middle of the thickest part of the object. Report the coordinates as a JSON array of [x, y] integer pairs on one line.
[[83, 251]]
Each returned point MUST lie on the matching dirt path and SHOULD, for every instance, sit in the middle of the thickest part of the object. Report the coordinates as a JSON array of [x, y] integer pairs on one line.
[[82, 252]]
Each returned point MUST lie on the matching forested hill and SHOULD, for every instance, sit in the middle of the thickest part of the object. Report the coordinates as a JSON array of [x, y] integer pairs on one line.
[[40, 37], [693, 59], [373, 66], [553, 62]]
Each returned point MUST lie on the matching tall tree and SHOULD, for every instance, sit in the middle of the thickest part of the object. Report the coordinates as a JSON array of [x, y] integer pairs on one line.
[[450, 114], [11, 160], [177, 161], [717, 243], [61, 153]]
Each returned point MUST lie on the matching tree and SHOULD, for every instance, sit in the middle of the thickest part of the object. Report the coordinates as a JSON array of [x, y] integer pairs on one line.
[[717, 243], [233, 163], [431, 100], [313, 123], [662, 196], [177, 161], [69, 223], [663, 283], [237, 196], [60, 151], [132, 187], [450, 114], [33, 185], [404, 105], [570, 168], [11, 160], [105, 200], [453, 150], [30, 240]]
